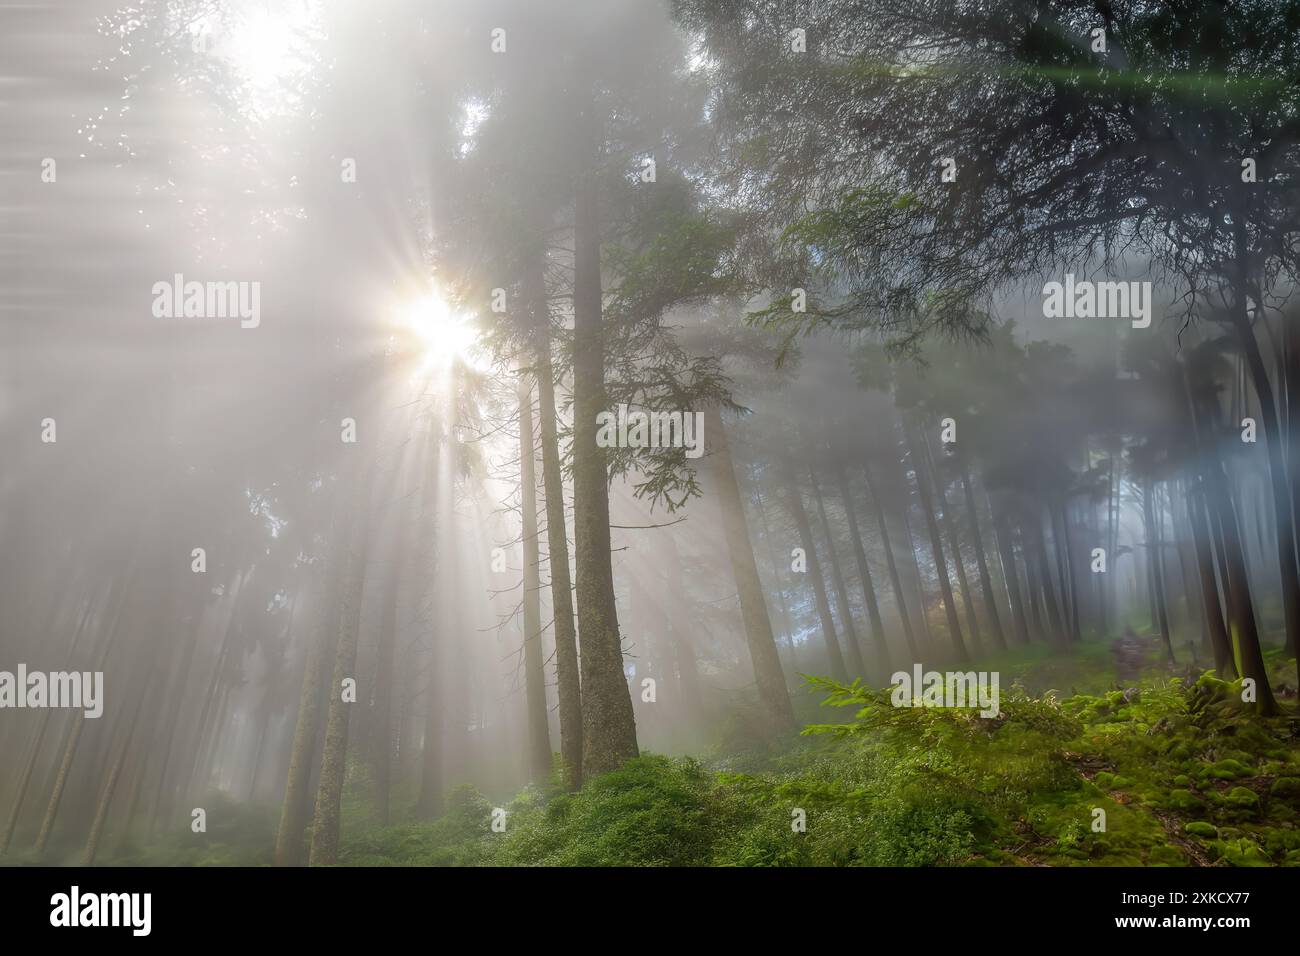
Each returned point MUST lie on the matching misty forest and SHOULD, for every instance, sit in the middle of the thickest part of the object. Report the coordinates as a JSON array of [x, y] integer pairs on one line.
[[649, 432]]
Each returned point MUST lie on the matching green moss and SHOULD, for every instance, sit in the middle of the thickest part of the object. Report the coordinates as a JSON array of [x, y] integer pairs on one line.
[[1285, 788], [1229, 770], [885, 786], [1241, 852]]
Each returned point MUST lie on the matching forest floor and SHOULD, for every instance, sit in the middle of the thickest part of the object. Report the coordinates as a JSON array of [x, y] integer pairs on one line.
[[1077, 769]]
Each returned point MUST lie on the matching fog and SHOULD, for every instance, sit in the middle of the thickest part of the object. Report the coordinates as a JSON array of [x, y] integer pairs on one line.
[[285, 288]]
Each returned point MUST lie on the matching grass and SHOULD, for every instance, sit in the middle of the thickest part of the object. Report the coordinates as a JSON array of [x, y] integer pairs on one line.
[[1171, 771]]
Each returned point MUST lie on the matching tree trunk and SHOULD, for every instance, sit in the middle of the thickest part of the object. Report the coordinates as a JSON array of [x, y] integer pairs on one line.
[[539, 732], [950, 527], [381, 725], [1291, 380], [1065, 558], [1051, 604], [329, 795], [1213, 609], [609, 726], [110, 785], [112, 630], [776, 576], [928, 642], [864, 571], [1157, 571], [795, 503], [297, 794], [1010, 576], [25, 779], [1286, 551], [837, 579], [895, 580], [981, 561], [936, 545], [772, 691], [1241, 612], [568, 682]]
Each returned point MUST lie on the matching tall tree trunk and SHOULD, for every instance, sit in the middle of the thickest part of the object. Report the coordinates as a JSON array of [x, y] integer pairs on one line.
[[1065, 560], [895, 580], [927, 635], [837, 579], [1213, 610], [110, 784], [297, 791], [1051, 604], [936, 546], [795, 503], [1010, 576], [1288, 569], [25, 779], [788, 628], [539, 732], [111, 631], [688, 673], [1157, 571], [429, 804], [763, 656], [1291, 380], [864, 571], [326, 824], [381, 725], [950, 527], [609, 726], [1241, 612], [1033, 591], [981, 562], [568, 682], [202, 745]]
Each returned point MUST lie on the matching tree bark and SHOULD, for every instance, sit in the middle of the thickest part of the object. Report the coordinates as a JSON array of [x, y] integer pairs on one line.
[[837, 579], [326, 824], [895, 580], [864, 571], [1010, 575], [1241, 612], [539, 733], [112, 630], [981, 561], [795, 503], [763, 656], [25, 779], [295, 808], [110, 784], [568, 681], [936, 545], [1288, 569], [609, 726], [1211, 606], [950, 527], [1157, 571]]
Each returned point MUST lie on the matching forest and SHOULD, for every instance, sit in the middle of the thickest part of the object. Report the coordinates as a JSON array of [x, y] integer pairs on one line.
[[649, 433]]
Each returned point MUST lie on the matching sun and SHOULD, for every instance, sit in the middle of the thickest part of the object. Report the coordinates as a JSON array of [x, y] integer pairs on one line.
[[268, 42], [443, 336]]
